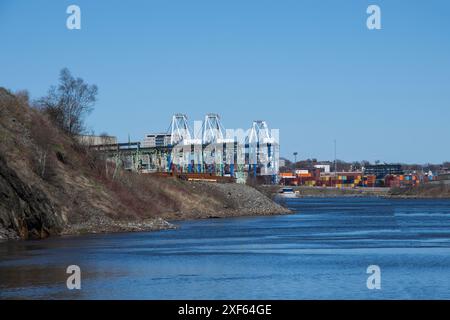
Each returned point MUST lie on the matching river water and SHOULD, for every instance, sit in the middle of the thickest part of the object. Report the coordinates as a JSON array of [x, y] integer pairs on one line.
[[320, 252]]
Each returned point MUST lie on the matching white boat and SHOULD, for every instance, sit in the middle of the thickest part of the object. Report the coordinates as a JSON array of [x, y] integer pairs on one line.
[[287, 192]]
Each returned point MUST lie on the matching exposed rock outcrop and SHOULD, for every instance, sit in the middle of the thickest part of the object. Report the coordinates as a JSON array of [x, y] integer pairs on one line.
[[25, 212]]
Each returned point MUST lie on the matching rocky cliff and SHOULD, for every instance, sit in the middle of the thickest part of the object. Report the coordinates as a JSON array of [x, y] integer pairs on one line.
[[24, 212]]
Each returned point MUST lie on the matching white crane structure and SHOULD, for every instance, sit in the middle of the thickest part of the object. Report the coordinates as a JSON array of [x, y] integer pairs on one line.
[[185, 150], [213, 131], [212, 149], [263, 150], [179, 130], [260, 133]]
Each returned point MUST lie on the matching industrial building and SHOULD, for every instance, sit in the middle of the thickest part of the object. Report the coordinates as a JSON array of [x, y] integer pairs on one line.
[[382, 170], [324, 167], [96, 140], [212, 150], [156, 140]]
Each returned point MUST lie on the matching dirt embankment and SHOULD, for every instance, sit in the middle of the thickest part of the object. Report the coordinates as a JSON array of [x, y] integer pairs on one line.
[[426, 191], [214, 200], [51, 185], [322, 192]]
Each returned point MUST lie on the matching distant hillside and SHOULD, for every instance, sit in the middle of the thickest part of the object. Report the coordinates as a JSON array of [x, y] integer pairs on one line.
[[51, 185]]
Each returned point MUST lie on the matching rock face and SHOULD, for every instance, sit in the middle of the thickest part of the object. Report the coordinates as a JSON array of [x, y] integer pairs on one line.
[[24, 212]]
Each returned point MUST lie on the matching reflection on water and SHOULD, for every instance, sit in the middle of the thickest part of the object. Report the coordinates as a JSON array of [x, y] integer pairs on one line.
[[320, 252]]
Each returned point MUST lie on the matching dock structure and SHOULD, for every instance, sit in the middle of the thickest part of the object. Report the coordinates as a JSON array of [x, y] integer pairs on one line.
[[212, 150]]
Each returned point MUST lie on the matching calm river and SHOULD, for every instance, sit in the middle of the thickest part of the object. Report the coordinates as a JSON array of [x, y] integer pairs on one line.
[[321, 252]]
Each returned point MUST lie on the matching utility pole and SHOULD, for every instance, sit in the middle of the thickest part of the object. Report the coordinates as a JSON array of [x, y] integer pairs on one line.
[[335, 165], [295, 162]]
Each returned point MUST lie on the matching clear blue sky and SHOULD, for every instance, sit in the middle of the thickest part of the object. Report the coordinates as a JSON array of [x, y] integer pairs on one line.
[[310, 68]]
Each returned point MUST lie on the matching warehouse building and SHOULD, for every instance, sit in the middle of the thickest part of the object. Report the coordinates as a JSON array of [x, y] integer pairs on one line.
[[93, 140], [382, 170], [153, 140]]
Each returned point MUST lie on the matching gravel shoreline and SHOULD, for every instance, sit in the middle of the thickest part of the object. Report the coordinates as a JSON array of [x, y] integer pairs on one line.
[[113, 226], [224, 201]]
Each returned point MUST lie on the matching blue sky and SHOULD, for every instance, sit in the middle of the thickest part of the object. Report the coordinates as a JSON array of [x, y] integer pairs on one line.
[[310, 68]]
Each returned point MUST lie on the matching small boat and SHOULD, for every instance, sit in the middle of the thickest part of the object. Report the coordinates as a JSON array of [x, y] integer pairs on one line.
[[287, 192]]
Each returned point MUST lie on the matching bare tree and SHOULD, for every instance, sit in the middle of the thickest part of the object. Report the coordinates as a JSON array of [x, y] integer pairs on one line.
[[70, 102], [23, 97], [43, 157], [365, 163]]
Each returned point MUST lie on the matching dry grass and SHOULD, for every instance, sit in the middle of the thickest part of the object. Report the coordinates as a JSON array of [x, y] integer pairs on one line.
[[424, 191]]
